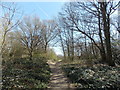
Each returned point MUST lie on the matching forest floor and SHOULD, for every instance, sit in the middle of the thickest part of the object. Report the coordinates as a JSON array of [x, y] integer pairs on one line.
[[93, 76], [58, 79]]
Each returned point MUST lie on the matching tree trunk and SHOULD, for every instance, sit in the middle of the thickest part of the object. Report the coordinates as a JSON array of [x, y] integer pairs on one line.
[[86, 50], [106, 23], [63, 49], [30, 56], [72, 39], [30, 53], [93, 50], [68, 49], [102, 51], [46, 47]]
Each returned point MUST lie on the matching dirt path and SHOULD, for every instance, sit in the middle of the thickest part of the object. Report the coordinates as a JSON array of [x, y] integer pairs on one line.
[[58, 78]]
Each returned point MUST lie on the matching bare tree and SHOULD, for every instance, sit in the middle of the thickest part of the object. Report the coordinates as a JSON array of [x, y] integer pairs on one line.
[[80, 16], [62, 42], [29, 32], [106, 13], [49, 32], [9, 21]]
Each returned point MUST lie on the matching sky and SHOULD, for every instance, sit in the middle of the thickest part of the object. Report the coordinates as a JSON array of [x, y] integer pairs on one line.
[[45, 10]]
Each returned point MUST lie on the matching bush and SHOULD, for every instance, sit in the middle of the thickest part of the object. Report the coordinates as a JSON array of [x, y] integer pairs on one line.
[[116, 55], [98, 76], [23, 73]]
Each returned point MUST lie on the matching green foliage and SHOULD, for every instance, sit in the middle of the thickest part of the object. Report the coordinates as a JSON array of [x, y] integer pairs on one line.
[[116, 55], [41, 85], [98, 76], [23, 73], [50, 54]]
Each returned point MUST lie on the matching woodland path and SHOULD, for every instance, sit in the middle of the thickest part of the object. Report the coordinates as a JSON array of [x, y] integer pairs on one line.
[[58, 80]]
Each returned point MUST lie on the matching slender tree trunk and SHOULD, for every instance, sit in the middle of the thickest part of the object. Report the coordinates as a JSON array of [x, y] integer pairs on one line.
[[30, 53], [3, 44], [81, 51], [86, 50], [46, 47], [30, 56], [68, 49], [72, 58], [63, 49], [93, 50]]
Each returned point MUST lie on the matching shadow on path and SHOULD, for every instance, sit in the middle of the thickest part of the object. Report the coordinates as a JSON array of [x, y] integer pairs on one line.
[[58, 78]]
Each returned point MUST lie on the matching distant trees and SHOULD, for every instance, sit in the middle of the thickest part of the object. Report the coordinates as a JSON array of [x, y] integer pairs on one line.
[[67, 43], [84, 30], [35, 34], [30, 35], [62, 42], [92, 20], [49, 32]]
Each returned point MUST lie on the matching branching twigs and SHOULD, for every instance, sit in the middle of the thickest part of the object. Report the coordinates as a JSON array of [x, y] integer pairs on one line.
[[8, 22]]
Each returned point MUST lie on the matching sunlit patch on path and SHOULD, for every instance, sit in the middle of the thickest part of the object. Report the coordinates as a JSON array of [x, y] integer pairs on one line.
[[58, 79]]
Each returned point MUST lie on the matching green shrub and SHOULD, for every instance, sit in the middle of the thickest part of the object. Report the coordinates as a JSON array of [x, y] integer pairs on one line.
[[101, 76], [23, 73]]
